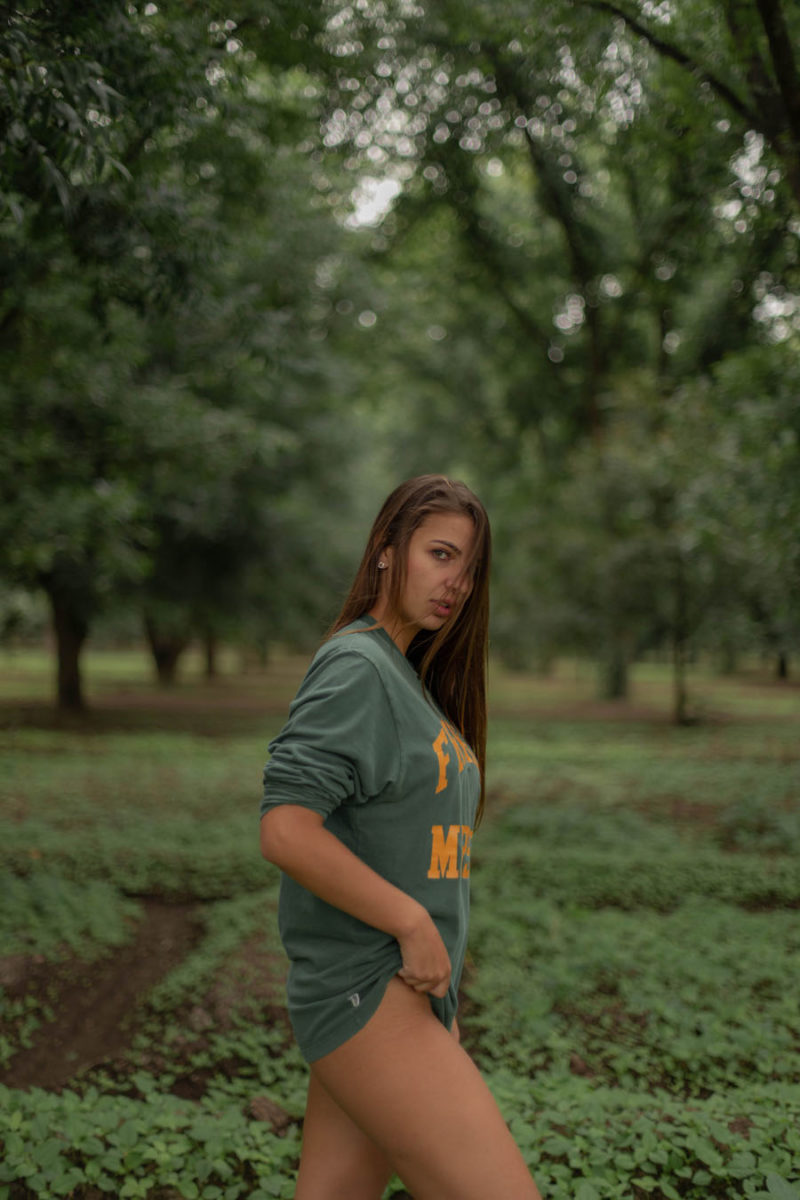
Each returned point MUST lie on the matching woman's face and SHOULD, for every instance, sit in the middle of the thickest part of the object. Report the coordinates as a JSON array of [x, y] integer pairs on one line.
[[437, 579]]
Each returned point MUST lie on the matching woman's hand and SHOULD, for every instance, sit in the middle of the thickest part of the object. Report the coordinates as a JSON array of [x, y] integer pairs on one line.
[[426, 963], [295, 839]]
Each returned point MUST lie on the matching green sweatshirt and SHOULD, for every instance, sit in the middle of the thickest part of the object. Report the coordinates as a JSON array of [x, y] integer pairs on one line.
[[398, 784]]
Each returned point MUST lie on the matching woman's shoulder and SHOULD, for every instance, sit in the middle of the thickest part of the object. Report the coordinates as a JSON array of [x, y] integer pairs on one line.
[[351, 668], [360, 641]]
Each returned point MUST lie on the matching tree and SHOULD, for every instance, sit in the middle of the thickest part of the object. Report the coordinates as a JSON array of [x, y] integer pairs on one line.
[[742, 429], [158, 362], [604, 231], [579, 234], [88, 245], [741, 50], [72, 523]]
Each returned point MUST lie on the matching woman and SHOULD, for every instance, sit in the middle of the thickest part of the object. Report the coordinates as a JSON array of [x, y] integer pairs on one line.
[[371, 795]]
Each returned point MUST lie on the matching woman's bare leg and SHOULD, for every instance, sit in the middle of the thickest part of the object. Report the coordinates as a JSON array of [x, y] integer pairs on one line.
[[338, 1161], [418, 1097]]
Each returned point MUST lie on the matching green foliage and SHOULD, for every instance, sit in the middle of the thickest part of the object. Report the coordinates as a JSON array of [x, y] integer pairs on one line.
[[757, 824], [175, 858], [45, 917], [134, 815], [599, 1143], [20, 1019], [673, 530], [580, 1141], [192, 320], [168, 398], [228, 923], [690, 1003], [581, 233], [43, 913], [630, 991], [597, 878], [53, 106], [55, 1144], [218, 1017]]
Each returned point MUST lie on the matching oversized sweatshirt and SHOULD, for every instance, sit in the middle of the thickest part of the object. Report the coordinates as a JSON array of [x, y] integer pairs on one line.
[[367, 748]]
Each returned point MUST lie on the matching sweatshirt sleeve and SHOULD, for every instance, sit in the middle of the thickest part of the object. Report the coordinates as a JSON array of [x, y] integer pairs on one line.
[[340, 744]]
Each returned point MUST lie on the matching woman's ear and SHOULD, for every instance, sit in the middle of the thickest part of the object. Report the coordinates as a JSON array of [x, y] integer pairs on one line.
[[385, 558]]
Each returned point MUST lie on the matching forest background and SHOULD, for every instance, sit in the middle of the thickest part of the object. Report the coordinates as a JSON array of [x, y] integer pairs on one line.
[[259, 262]]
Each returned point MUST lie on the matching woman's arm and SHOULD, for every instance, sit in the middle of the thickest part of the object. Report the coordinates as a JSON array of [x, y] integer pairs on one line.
[[295, 840]]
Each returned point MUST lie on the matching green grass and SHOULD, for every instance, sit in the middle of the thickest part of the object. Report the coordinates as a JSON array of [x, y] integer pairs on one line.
[[29, 674], [631, 986]]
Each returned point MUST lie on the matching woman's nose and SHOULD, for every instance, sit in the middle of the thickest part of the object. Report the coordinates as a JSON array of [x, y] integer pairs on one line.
[[461, 583]]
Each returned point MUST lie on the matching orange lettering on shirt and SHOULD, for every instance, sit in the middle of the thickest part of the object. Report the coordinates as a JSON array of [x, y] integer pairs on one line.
[[466, 848], [444, 852], [450, 856], [463, 750], [449, 735], [444, 759]]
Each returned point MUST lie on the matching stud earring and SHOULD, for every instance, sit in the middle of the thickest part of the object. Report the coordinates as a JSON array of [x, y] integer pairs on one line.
[[382, 565]]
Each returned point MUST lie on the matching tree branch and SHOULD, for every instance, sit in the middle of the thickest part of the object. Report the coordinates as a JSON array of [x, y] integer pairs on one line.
[[786, 73], [557, 201], [486, 250], [742, 32], [679, 56]]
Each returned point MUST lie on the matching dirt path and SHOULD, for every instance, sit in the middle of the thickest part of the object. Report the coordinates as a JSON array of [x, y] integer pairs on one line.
[[95, 1003]]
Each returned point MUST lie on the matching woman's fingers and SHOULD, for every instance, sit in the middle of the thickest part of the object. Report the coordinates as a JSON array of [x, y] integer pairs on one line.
[[426, 963], [425, 985]]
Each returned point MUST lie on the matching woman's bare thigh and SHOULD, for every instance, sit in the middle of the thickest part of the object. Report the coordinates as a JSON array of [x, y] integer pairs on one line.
[[338, 1161], [418, 1096]]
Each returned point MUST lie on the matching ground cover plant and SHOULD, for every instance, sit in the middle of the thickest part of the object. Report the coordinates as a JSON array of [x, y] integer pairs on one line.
[[631, 986]]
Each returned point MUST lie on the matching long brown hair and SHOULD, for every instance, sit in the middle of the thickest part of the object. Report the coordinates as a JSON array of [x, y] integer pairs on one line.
[[451, 661]]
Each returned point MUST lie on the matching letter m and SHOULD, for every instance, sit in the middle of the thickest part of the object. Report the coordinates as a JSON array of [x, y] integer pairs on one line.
[[444, 852]]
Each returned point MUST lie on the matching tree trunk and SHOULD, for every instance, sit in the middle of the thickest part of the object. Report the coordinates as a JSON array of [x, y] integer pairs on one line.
[[729, 658], [71, 629], [210, 647], [680, 711], [166, 646], [786, 140], [783, 665], [615, 673], [544, 660]]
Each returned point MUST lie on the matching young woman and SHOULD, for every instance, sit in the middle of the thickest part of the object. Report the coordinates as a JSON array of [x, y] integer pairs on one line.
[[371, 794]]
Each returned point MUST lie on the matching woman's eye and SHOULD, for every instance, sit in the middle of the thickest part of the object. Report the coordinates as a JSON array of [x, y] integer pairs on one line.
[[442, 555]]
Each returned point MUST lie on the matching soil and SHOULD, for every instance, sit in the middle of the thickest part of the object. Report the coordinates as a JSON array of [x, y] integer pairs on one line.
[[207, 709], [96, 1004]]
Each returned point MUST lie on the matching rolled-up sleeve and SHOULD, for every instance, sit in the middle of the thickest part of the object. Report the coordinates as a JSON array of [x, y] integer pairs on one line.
[[340, 744]]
